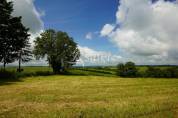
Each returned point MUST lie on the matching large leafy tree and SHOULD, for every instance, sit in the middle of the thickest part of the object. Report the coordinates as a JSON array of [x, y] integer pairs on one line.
[[13, 34], [59, 48]]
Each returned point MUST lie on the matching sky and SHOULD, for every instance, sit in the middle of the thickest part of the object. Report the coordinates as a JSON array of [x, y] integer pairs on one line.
[[108, 31], [82, 19]]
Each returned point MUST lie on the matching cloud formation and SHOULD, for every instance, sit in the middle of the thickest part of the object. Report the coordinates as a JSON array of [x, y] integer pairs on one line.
[[93, 57], [31, 18], [145, 29], [107, 29]]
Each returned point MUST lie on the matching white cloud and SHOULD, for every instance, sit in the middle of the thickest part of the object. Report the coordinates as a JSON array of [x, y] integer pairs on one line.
[[31, 17], [146, 30], [89, 36], [93, 57], [107, 29]]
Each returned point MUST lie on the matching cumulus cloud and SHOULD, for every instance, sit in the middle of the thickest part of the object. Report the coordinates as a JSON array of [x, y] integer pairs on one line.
[[31, 18], [93, 57], [107, 29], [146, 29]]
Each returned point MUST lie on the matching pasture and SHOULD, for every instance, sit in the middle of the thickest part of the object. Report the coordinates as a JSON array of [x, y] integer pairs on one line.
[[88, 93]]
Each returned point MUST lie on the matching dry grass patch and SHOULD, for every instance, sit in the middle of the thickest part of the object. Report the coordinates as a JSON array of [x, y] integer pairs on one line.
[[89, 96]]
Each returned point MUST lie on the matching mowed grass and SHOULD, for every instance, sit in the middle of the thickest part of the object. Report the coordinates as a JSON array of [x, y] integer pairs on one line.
[[89, 97]]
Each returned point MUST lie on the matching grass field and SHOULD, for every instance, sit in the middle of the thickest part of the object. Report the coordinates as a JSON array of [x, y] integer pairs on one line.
[[94, 93]]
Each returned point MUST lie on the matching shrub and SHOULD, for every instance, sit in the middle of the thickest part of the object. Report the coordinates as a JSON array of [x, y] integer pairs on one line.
[[7, 74], [127, 70], [121, 69], [131, 70], [171, 72], [153, 72]]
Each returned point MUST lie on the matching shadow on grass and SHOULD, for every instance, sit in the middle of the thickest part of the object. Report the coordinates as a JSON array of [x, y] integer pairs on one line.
[[9, 81], [10, 77]]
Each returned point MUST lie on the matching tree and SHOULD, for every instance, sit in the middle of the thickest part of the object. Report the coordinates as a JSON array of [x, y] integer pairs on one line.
[[131, 70], [24, 55], [13, 35], [121, 69], [21, 43], [5, 11], [127, 70], [157, 72], [60, 49]]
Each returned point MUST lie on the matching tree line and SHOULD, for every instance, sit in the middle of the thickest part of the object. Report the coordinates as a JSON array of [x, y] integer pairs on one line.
[[58, 47], [129, 69]]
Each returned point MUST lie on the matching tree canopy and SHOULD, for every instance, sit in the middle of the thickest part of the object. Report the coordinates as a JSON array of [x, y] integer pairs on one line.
[[59, 48], [13, 34], [127, 70]]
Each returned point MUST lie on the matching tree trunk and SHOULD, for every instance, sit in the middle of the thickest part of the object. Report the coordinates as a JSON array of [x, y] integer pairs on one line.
[[20, 59], [4, 65], [62, 65], [19, 65], [4, 61]]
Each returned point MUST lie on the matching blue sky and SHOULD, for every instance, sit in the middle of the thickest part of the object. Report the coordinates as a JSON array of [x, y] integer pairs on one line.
[[79, 17], [147, 31]]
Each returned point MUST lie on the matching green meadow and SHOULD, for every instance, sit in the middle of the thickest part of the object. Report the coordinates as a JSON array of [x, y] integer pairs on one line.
[[87, 93]]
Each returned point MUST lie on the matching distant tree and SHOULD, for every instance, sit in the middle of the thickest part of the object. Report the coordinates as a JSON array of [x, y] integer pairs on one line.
[[121, 69], [60, 49], [169, 72], [150, 71], [127, 70], [13, 35], [131, 70]]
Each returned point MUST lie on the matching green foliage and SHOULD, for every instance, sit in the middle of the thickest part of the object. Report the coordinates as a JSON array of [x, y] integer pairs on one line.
[[121, 69], [170, 72], [130, 70], [10, 73], [166, 72], [13, 34], [127, 70], [61, 50], [6, 9]]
